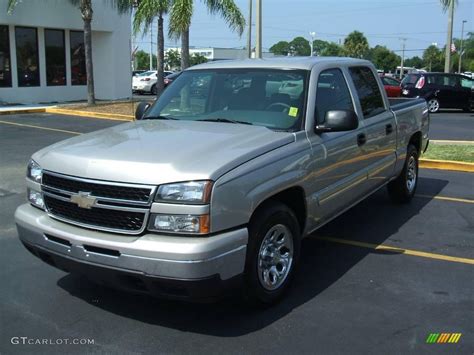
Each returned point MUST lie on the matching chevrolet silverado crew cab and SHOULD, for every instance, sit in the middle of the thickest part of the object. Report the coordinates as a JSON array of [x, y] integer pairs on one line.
[[216, 183]]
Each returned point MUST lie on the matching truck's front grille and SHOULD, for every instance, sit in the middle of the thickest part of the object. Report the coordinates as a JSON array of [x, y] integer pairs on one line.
[[108, 190], [98, 217], [114, 207]]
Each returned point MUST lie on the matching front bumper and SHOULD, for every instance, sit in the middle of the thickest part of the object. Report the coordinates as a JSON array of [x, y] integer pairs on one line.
[[181, 260]]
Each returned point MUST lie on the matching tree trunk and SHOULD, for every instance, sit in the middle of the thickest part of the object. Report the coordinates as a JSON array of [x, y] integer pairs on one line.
[[185, 49], [160, 84], [86, 12]]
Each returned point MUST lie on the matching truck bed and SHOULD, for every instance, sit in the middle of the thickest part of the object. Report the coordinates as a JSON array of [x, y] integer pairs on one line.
[[400, 103]]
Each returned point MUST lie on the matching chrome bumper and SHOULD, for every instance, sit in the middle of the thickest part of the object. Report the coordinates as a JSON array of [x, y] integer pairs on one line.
[[150, 254]]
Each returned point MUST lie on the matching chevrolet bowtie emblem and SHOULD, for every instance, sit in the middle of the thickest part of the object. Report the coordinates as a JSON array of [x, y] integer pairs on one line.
[[83, 199]]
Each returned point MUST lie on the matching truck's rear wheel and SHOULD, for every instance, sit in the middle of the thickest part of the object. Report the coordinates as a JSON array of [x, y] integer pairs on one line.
[[403, 188], [272, 253]]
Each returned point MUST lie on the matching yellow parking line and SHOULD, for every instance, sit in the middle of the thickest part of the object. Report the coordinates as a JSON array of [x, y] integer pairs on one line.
[[398, 250], [446, 198], [39, 127]]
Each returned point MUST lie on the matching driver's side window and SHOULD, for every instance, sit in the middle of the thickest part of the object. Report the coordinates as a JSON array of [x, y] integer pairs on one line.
[[332, 94]]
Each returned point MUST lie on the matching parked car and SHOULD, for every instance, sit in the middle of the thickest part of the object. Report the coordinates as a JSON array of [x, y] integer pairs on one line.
[[146, 82], [215, 188], [440, 90], [171, 77], [136, 72], [391, 86]]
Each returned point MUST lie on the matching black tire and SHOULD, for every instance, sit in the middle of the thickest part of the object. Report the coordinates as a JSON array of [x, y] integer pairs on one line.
[[433, 105], [153, 90], [467, 109], [270, 215], [400, 190]]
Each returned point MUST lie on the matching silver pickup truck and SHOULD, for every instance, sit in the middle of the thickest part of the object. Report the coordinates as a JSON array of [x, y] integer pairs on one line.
[[217, 182]]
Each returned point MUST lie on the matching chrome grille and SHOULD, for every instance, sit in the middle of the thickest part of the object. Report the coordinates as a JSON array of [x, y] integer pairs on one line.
[[114, 207]]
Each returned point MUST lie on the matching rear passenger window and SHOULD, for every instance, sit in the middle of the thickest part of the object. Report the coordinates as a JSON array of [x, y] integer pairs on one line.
[[368, 90], [332, 94]]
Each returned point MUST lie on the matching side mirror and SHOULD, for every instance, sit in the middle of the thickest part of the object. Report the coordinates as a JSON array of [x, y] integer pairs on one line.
[[141, 109], [339, 121]]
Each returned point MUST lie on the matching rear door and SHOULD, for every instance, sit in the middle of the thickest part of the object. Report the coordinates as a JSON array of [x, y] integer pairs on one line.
[[380, 126]]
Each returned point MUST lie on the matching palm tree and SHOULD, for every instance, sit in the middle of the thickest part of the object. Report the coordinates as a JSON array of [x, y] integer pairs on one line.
[[85, 6], [181, 13], [147, 11], [448, 5]]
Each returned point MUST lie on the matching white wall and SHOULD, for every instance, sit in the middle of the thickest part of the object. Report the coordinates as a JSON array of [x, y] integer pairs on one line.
[[110, 50]]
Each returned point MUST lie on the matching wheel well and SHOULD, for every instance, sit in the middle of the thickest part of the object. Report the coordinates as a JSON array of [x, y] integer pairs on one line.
[[294, 198], [415, 139]]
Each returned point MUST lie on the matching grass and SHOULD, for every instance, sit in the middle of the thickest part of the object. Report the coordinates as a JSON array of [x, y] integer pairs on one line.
[[454, 152], [121, 108]]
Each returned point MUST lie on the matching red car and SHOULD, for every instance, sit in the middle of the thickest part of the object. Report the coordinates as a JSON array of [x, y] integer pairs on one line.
[[392, 86]]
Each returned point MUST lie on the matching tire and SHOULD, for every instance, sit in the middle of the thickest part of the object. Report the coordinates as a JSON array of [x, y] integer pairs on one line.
[[467, 109], [403, 188], [273, 226], [433, 105], [153, 90]]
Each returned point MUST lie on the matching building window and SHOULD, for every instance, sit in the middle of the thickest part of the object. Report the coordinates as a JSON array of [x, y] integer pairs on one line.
[[5, 65], [55, 57], [27, 56], [78, 58]]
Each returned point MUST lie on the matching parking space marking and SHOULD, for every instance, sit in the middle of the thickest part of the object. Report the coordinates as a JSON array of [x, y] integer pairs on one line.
[[446, 198], [39, 127], [382, 247]]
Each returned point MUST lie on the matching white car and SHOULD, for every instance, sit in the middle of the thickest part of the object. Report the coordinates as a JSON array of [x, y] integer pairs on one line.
[[146, 82]]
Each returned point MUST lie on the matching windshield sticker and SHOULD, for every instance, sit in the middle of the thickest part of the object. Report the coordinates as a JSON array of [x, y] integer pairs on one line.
[[293, 112]]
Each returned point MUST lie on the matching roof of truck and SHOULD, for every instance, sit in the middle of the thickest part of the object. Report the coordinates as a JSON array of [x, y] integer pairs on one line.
[[305, 63]]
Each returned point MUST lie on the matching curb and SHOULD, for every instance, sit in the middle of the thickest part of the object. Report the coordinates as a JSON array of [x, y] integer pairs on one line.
[[451, 142], [106, 116], [447, 165], [21, 111]]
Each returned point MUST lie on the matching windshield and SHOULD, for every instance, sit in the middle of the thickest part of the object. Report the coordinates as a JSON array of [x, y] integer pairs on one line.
[[264, 97], [410, 79]]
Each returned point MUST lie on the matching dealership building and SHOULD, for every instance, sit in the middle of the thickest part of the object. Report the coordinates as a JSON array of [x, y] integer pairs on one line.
[[42, 52]]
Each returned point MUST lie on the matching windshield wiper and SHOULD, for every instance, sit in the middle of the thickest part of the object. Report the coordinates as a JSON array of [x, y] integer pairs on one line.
[[159, 118], [225, 120]]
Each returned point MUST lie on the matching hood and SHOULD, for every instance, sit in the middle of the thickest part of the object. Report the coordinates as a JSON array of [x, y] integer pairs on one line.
[[157, 151]]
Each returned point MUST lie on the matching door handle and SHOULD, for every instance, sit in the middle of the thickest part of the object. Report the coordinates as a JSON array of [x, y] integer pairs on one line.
[[388, 129], [361, 139]]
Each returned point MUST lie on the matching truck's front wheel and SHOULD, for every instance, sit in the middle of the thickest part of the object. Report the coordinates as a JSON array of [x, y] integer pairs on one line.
[[403, 188], [272, 253]]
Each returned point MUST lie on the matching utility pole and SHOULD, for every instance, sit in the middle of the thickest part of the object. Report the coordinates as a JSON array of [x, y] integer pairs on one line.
[[447, 61], [403, 57], [151, 47], [249, 32], [462, 50], [311, 44], [258, 43]]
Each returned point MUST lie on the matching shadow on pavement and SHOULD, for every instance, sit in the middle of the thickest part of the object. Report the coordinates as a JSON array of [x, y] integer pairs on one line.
[[322, 264]]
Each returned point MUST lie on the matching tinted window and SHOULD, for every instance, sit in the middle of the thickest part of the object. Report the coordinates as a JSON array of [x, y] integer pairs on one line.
[[368, 91], [5, 64], [27, 56], [467, 83], [410, 79], [55, 57], [332, 94], [78, 59], [390, 81]]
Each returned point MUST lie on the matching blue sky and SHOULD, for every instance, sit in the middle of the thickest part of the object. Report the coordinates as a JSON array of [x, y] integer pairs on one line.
[[384, 22]]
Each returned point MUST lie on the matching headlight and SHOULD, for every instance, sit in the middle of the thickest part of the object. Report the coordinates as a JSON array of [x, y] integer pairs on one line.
[[35, 198], [193, 192], [34, 172], [179, 223]]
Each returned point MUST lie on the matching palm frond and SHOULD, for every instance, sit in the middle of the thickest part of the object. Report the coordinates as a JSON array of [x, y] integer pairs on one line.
[[146, 13], [229, 11], [181, 13], [445, 4], [11, 5]]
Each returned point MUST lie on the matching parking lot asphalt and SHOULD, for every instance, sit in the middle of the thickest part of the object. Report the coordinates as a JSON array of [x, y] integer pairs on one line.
[[348, 296], [452, 125]]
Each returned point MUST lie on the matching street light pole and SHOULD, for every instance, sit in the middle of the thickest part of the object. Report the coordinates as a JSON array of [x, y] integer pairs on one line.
[[462, 40], [311, 44], [403, 57], [447, 62], [249, 32], [258, 42]]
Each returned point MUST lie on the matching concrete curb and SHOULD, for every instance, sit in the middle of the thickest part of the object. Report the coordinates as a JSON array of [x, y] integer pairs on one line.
[[106, 116], [451, 142], [21, 111], [447, 165]]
